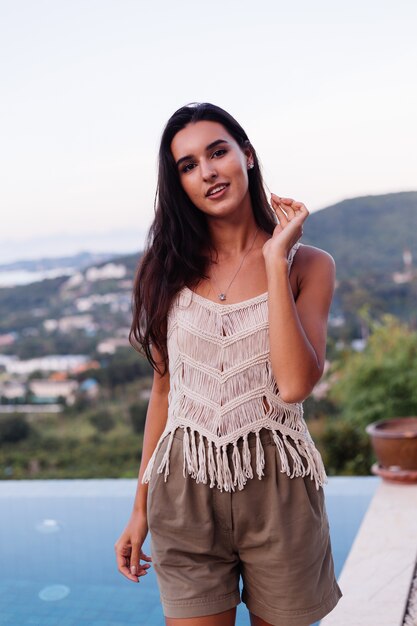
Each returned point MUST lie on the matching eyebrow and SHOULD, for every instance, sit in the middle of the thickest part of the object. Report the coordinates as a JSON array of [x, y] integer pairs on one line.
[[209, 147]]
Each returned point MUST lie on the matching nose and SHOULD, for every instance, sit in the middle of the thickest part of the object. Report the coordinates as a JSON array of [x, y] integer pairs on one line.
[[208, 171]]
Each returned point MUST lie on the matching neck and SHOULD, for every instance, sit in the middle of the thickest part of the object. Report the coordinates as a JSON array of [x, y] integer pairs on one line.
[[231, 240]]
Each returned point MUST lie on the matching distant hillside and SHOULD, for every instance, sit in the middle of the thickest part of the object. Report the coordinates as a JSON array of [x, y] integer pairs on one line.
[[366, 235], [76, 261]]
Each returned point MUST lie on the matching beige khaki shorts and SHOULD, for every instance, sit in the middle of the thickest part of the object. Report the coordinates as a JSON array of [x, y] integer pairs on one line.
[[274, 534]]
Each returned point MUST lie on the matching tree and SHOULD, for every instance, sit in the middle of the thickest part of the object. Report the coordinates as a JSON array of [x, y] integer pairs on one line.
[[102, 421], [137, 412], [381, 381], [378, 383], [13, 428]]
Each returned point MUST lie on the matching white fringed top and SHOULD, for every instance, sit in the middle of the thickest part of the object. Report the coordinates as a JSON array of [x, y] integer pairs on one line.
[[222, 387]]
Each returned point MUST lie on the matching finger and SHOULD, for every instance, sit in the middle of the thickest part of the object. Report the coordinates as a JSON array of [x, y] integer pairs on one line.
[[122, 566], [283, 219], [134, 559], [126, 572], [136, 572], [136, 567], [289, 210], [294, 204], [276, 199], [287, 206], [286, 214], [286, 200]]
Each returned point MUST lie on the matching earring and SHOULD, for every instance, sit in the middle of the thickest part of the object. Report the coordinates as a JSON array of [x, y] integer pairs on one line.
[[250, 166]]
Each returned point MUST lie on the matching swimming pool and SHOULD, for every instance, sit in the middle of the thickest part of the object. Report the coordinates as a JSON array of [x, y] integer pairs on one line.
[[57, 557]]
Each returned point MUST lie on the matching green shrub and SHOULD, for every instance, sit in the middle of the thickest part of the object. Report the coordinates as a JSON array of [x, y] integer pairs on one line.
[[96, 457], [317, 408], [13, 428], [137, 413], [377, 383], [102, 421], [347, 448], [380, 382]]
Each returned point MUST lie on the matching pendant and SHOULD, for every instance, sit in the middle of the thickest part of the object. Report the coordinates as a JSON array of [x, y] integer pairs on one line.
[[222, 296]]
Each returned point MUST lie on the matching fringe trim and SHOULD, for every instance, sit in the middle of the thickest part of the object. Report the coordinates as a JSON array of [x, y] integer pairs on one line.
[[213, 467], [148, 471]]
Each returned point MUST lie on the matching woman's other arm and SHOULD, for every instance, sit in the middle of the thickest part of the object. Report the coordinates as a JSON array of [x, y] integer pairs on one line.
[[128, 547], [156, 418]]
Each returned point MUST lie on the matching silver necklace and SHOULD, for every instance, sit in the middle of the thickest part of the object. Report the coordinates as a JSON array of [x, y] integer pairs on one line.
[[222, 294]]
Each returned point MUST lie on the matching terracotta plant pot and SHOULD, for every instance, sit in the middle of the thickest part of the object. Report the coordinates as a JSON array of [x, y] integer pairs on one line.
[[395, 443]]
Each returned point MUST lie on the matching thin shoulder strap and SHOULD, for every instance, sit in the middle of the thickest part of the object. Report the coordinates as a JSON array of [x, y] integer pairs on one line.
[[292, 253]]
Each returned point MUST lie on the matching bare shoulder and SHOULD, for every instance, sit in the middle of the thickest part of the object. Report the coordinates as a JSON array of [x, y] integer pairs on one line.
[[313, 264], [310, 257]]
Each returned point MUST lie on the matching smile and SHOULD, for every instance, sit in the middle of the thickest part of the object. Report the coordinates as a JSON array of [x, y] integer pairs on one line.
[[217, 191]]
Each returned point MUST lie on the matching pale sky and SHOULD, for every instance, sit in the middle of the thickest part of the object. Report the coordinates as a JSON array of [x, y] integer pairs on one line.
[[326, 91]]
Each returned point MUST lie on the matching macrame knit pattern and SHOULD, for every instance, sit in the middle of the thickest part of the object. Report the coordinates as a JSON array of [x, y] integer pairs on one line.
[[222, 388]]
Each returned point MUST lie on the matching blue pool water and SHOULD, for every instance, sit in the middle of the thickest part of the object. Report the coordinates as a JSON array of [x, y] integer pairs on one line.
[[57, 556]]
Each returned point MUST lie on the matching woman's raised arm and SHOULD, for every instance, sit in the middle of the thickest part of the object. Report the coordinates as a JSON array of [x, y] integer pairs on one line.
[[297, 330]]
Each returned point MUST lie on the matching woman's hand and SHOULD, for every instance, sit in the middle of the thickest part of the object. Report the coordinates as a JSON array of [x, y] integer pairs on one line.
[[291, 216], [128, 548]]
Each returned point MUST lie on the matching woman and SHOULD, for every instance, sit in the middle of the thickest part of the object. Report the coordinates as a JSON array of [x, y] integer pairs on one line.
[[231, 311]]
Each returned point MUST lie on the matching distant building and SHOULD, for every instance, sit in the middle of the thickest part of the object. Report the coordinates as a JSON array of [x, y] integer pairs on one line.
[[115, 301], [407, 275], [5, 360], [90, 388], [358, 344], [48, 391], [70, 322], [50, 325], [107, 271], [73, 282], [58, 376], [145, 394], [123, 331], [13, 391], [7, 339], [88, 365], [78, 322], [53, 363], [337, 321], [109, 346], [90, 302], [92, 274]]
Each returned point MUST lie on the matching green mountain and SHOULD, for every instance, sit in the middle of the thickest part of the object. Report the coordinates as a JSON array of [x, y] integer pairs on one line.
[[366, 235]]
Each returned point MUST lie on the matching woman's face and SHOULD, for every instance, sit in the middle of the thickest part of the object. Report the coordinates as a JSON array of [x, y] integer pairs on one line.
[[212, 167]]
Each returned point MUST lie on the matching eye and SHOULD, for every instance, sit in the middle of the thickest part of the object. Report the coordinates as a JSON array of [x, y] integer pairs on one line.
[[187, 167], [219, 153]]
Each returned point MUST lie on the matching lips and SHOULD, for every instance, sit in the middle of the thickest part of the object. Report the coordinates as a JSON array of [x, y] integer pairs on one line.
[[215, 189]]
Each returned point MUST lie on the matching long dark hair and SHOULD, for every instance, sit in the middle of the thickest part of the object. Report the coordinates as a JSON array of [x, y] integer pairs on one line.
[[175, 246]]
